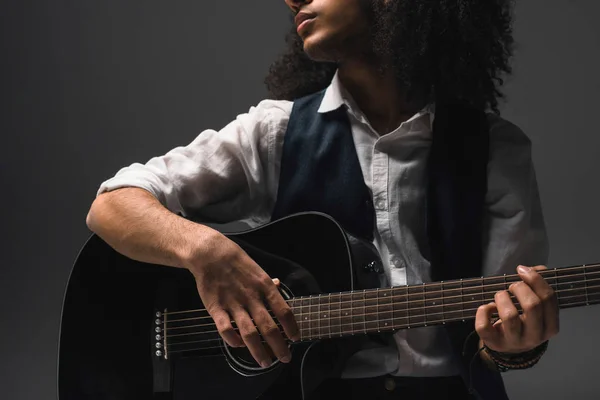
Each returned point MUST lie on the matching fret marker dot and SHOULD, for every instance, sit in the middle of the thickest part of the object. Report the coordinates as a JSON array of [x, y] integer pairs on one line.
[[434, 303], [305, 317], [325, 315], [346, 313], [386, 324]]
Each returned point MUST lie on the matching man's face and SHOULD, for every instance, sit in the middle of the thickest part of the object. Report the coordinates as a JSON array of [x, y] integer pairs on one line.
[[332, 30]]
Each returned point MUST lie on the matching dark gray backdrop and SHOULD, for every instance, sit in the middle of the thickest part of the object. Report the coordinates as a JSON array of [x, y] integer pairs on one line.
[[91, 86]]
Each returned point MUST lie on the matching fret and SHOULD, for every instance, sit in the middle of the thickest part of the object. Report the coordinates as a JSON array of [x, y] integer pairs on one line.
[[385, 304], [341, 331], [401, 307], [377, 312], [472, 297], [310, 331], [346, 326], [424, 304], [314, 325], [306, 324], [319, 314], [555, 286], [434, 308], [392, 301], [325, 316], [496, 284], [570, 286], [364, 312], [453, 305], [462, 300], [417, 305], [335, 314], [408, 305], [570, 302], [297, 311], [483, 293], [371, 311], [357, 312], [443, 305], [587, 300]]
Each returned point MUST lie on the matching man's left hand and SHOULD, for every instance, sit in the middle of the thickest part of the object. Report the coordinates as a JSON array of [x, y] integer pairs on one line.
[[514, 333]]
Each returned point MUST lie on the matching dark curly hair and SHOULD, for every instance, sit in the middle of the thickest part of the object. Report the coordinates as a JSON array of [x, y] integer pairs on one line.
[[440, 50]]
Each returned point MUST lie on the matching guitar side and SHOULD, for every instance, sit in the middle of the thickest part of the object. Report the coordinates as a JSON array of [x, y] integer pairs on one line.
[[106, 346]]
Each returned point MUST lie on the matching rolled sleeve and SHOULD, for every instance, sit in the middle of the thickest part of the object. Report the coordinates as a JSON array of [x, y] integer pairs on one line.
[[516, 231], [221, 176]]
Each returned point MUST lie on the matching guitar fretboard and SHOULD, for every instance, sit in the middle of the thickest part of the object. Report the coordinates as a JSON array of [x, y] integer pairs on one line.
[[388, 309]]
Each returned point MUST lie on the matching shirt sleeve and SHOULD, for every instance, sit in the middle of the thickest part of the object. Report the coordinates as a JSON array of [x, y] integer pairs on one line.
[[515, 227], [221, 176]]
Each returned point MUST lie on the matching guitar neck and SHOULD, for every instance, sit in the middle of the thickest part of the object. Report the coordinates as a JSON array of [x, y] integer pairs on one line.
[[389, 309]]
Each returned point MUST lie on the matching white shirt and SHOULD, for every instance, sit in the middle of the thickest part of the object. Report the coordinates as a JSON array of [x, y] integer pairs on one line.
[[232, 175]]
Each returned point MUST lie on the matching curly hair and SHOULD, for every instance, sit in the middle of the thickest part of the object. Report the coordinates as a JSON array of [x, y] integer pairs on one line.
[[440, 50]]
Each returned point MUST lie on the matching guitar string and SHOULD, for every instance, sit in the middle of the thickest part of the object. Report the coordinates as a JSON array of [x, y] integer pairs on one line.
[[560, 280], [363, 315], [407, 295], [584, 292], [580, 303], [462, 282], [311, 315], [393, 318]]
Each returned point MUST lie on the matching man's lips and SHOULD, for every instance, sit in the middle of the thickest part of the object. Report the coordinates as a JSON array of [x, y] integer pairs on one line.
[[303, 16]]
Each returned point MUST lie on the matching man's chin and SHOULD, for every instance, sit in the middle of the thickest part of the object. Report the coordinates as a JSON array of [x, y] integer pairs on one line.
[[318, 52]]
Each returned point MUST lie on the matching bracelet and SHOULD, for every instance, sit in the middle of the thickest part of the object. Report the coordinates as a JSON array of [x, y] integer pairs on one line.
[[507, 361]]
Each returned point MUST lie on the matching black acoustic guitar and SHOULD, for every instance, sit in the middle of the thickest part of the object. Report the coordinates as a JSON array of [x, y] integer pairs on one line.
[[131, 330]]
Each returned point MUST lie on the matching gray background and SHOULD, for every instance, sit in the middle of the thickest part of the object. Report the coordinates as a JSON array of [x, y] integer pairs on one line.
[[91, 86]]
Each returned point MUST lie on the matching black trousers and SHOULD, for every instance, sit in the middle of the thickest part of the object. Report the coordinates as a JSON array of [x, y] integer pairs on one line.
[[390, 387]]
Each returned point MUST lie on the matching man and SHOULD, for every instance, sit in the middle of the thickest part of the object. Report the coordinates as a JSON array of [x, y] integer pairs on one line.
[[391, 66]]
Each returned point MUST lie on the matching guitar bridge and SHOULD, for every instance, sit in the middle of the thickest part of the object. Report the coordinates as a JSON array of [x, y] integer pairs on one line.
[[160, 339], [161, 365]]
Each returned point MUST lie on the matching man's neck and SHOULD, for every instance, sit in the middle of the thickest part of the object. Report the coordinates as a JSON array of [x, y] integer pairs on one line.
[[377, 95]]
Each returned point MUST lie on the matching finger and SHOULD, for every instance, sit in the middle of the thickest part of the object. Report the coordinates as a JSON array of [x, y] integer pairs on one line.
[[270, 332], [283, 312], [484, 325], [251, 337], [225, 329], [508, 313], [276, 281], [547, 296], [533, 314]]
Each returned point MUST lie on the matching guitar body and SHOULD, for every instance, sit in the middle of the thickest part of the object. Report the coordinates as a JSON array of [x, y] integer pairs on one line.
[[108, 347]]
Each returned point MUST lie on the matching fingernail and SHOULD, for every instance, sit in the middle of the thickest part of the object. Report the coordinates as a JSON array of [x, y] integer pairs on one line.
[[265, 364], [522, 269], [285, 359]]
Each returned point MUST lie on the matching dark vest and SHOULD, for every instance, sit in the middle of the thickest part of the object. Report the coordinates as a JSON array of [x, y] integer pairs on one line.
[[320, 171]]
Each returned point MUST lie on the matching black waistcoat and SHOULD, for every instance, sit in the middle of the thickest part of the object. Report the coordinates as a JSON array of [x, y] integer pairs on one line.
[[320, 171]]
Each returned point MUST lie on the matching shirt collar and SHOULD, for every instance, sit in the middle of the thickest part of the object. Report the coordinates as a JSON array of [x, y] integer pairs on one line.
[[336, 96]]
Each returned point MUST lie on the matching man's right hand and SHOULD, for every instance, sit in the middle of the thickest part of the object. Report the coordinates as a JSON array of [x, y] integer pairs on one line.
[[233, 287]]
